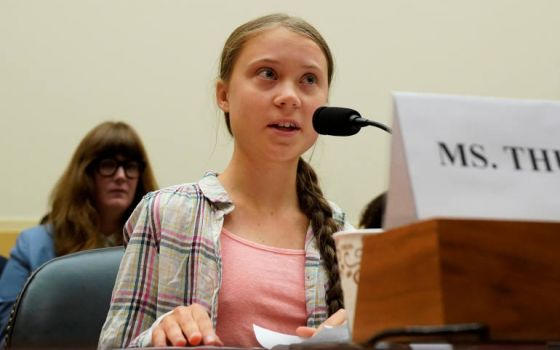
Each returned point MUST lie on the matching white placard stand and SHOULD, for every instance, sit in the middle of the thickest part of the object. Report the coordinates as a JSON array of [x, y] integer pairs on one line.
[[473, 157]]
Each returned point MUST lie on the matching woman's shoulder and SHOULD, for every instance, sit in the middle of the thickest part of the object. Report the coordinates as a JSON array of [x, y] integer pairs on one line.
[[339, 216], [40, 234], [180, 190], [337, 211], [208, 187], [35, 243], [172, 209], [174, 194]]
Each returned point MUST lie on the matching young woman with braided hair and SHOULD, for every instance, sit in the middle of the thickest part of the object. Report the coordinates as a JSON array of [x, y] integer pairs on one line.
[[252, 245]]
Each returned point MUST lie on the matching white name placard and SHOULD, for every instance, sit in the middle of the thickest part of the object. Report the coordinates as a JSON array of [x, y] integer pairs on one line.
[[473, 157]]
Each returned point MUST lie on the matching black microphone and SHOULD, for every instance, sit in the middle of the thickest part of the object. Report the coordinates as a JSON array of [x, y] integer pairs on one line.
[[339, 121]]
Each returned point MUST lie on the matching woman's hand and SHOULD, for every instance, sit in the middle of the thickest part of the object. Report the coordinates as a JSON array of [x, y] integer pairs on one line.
[[186, 325], [336, 319]]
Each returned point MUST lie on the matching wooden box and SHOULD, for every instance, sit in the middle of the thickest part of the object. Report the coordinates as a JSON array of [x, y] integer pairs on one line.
[[503, 274]]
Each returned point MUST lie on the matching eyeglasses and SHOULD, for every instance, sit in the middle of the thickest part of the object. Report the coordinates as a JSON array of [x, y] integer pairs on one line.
[[108, 167]]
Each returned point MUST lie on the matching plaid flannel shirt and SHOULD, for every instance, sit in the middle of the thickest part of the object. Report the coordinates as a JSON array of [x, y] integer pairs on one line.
[[173, 258]]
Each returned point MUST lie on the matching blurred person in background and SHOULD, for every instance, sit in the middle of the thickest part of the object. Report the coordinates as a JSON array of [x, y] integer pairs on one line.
[[106, 178], [373, 213]]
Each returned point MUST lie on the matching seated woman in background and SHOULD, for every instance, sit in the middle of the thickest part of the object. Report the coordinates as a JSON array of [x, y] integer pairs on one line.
[[374, 212], [107, 176]]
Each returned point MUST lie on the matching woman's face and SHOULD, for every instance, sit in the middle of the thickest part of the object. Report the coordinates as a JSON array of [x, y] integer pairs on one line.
[[279, 79], [115, 192]]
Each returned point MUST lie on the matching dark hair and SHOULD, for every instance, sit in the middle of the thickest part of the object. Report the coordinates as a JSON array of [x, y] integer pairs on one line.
[[73, 214], [315, 206], [373, 213], [311, 200]]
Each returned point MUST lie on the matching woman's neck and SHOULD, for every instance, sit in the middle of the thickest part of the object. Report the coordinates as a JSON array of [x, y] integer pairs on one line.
[[266, 204], [268, 186], [109, 223]]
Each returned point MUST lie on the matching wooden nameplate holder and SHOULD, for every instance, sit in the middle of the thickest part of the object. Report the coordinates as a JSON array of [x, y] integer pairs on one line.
[[503, 274]]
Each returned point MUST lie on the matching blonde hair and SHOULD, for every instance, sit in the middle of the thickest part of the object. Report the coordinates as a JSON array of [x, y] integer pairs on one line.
[[73, 214], [311, 200]]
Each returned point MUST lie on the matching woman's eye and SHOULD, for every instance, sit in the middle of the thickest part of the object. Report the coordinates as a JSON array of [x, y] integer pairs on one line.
[[267, 73], [309, 79]]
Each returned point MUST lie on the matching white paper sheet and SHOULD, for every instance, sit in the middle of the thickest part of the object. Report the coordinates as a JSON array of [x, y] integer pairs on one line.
[[268, 339]]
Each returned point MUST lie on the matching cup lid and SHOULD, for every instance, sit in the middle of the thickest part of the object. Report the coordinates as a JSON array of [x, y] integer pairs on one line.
[[361, 231]]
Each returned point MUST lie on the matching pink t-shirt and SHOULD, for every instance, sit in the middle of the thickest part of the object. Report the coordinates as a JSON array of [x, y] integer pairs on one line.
[[261, 285]]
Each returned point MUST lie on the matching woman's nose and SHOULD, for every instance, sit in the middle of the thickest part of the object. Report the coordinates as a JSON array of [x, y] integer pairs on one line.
[[120, 173], [288, 97]]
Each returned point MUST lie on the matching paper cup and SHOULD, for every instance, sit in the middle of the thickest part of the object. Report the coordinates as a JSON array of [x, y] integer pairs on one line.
[[349, 254]]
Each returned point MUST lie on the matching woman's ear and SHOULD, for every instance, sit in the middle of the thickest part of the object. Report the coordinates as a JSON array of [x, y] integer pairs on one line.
[[222, 95]]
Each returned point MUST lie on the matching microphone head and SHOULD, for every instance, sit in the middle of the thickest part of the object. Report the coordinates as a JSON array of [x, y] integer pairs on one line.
[[335, 121]]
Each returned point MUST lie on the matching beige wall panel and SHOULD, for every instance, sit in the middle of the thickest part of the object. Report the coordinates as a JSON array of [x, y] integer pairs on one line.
[[66, 65]]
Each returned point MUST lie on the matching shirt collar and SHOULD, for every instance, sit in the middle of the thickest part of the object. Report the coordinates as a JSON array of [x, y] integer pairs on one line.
[[212, 189]]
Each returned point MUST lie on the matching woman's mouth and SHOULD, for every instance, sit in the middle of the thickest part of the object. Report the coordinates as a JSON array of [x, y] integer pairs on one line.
[[284, 126]]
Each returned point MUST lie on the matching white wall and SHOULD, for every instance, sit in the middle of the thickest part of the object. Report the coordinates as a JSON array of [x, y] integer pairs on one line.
[[66, 65]]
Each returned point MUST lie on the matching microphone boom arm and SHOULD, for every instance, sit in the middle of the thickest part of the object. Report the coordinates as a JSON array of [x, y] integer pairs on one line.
[[363, 122]]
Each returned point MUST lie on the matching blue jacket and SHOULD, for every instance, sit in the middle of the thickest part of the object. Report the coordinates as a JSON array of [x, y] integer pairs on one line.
[[34, 247]]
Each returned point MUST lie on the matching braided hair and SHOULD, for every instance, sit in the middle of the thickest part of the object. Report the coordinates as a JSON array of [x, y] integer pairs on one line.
[[317, 209]]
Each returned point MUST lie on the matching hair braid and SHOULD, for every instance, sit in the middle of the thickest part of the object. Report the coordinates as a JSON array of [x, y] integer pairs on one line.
[[315, 206]]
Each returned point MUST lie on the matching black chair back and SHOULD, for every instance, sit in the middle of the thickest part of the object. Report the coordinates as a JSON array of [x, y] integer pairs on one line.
[[3, 261], [65, 302]]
